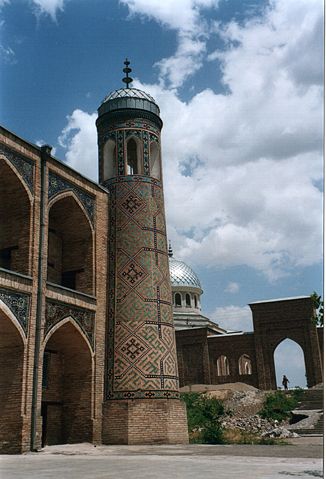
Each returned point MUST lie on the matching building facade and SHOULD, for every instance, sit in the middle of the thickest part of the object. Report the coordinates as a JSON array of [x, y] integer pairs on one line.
[[87, 343]]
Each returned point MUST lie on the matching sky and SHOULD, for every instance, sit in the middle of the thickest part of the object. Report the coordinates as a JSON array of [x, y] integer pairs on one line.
[[240, 88]]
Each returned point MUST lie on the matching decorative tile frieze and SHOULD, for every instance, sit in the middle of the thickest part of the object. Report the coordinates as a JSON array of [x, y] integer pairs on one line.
[[23, 165], [56, 312], [19, 305], [57, 185]]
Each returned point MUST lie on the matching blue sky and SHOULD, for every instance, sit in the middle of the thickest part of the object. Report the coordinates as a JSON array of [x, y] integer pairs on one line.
[[240, 87]]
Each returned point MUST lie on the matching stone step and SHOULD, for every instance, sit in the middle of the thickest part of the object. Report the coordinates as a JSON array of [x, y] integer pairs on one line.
[[317, 429]]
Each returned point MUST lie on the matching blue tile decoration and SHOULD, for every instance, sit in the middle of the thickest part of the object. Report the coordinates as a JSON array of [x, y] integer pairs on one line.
[[19, 305]]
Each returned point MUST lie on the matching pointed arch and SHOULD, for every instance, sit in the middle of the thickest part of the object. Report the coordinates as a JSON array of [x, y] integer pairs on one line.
[[19, 177], [245, 366], [109, 160], [62, 322], [70, 244], [177, 299], [134, 156], [223, 367], [155, 160], [8, 313], [289, 360], [15, 233], [12, 348], [188, 300], [68, 369]]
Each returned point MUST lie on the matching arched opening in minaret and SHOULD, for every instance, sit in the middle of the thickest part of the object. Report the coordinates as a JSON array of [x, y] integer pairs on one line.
[[245, 367], [70, 246], [155, 160], [195, 301], [15, 212], [109, 160], [177, 299], [223, 368], [188, 300], [11, 382], [66, 387], [289, 361], [133, 157]]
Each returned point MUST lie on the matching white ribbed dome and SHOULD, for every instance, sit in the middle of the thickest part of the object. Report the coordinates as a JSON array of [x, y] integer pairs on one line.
[[182, 275], [129, 93]]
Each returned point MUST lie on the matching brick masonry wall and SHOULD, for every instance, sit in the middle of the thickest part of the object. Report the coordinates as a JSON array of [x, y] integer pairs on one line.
[[275, 321], [233, 347], [11, 361], [193, 360], [146, 421]]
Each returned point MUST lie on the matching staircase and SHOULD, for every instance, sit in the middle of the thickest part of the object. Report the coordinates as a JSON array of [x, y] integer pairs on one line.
[[312, 402], [313, 399]]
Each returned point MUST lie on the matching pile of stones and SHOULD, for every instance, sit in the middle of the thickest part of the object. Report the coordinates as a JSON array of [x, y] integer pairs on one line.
[[242, 408], [257, 425]]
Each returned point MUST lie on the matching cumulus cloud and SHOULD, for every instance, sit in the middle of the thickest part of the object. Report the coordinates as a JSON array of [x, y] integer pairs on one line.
[[79, 138], [233, 318], [243, 168], [232, 287], [183, 16], [48, 7]]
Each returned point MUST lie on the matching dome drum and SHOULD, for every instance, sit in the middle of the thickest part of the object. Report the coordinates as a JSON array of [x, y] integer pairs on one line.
[[134, 102]]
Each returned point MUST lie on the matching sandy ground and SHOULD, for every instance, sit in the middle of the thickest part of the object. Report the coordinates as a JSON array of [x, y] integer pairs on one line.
[[301, 459]]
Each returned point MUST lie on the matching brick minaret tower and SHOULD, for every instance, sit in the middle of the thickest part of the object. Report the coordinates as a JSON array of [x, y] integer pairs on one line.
[[142, 404]]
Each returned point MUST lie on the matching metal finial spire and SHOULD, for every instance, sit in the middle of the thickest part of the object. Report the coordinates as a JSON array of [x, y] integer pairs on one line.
[[127, 70], [170, 250]]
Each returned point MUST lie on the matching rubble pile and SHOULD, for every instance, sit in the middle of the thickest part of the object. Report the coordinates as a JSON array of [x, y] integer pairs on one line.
[[242, 407], [257, 425]]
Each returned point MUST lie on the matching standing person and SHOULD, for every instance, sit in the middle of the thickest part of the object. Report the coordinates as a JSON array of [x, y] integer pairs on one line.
[[285, 381]]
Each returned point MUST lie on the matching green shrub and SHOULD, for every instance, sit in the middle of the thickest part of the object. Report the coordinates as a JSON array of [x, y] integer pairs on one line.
[[278, 405], [204, 416]]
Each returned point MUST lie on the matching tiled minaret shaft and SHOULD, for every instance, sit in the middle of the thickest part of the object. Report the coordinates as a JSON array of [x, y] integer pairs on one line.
[[142, 402]]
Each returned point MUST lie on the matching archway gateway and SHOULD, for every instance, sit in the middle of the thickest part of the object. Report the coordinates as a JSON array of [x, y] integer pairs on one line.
[[289, 361], [11, 382], [66, 387]]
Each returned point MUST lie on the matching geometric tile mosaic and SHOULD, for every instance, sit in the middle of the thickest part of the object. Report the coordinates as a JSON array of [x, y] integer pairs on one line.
[[142, 363]]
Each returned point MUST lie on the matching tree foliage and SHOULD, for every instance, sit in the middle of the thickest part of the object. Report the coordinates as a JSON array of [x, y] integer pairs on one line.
[[318, 305], [204, 418], [278, 405]]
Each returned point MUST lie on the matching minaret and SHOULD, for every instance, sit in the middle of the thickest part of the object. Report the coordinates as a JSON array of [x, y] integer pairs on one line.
[[142, 404]]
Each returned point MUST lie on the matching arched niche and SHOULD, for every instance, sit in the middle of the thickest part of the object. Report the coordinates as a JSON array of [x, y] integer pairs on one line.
[[134, 156], [177, 300], [66, 387], [245, 367], [289, 361], [223, 367], [11, 384], [109, 160], [15, 214], [188, 300], [155, 160], [70, 246]]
